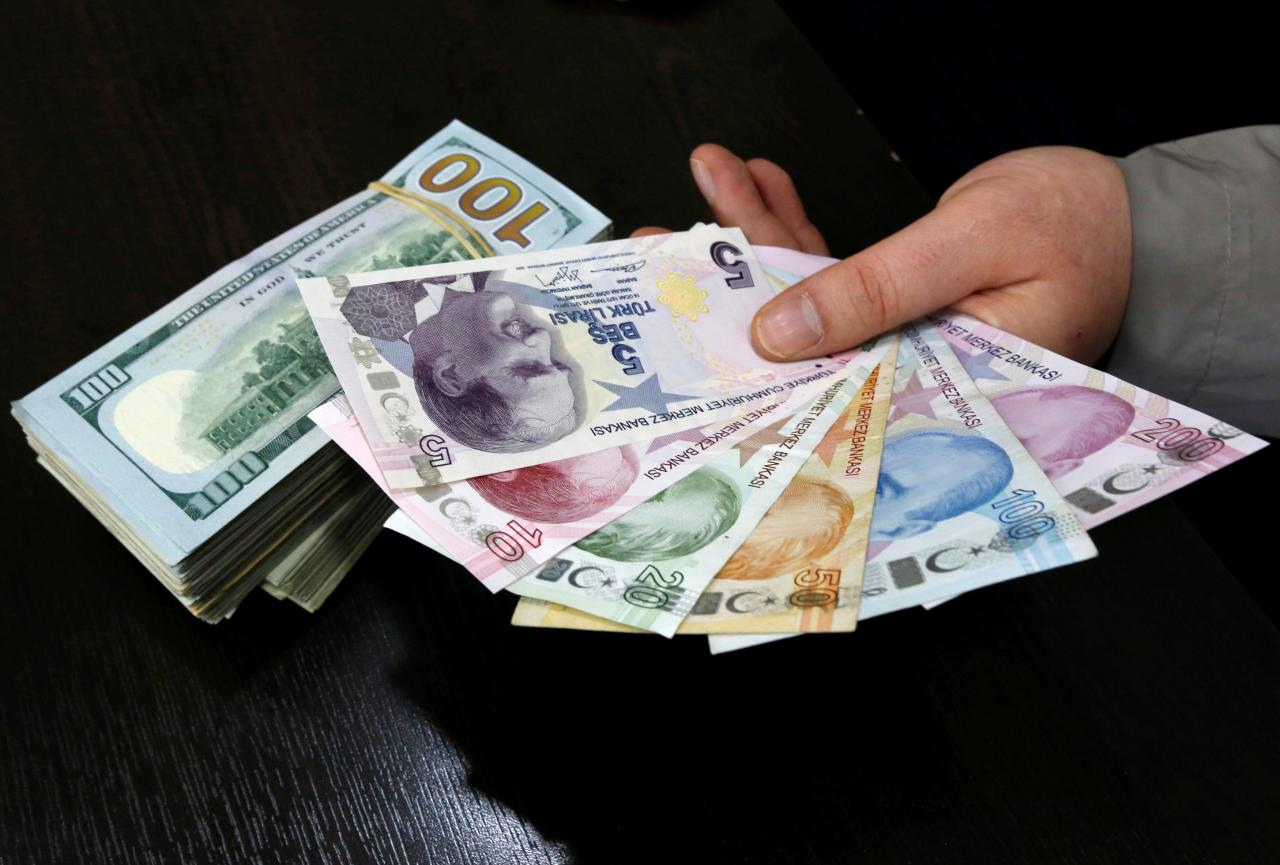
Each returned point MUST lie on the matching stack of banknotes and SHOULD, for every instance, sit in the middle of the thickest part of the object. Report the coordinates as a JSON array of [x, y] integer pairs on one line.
[[590, 429], [586, 426], [187, 436]]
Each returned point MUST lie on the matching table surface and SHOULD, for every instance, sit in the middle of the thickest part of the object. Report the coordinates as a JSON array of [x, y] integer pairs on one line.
[[1123, 710]]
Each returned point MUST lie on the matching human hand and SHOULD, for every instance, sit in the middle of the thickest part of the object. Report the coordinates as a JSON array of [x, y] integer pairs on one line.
[[1035, 242]]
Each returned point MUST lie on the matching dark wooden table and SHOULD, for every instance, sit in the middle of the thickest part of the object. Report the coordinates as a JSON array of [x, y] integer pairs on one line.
[[1123, 710]]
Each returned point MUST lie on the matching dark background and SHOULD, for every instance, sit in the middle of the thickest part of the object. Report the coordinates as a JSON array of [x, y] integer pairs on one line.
[[1121, 710]]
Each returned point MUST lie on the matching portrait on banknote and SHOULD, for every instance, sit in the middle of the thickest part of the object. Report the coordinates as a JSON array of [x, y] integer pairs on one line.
[[929, 476], [484, 371], [563, 491], [678, 521], [1060, 425], [806, 522]]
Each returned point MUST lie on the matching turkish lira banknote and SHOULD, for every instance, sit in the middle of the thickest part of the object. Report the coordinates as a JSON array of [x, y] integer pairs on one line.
[[462, 369], [800, 568]]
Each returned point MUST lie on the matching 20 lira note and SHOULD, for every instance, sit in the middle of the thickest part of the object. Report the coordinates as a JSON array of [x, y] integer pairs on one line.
[[463, 369]]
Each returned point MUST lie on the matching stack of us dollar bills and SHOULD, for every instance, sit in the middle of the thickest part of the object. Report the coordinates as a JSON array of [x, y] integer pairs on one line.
[[187, 436], [590, 429]]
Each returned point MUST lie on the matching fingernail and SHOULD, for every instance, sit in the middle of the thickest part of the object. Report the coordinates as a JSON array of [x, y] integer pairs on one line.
[[789, 325], [702, 177]]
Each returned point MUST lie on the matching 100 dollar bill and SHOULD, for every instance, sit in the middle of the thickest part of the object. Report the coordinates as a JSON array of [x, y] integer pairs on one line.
[[464, 369], [184, 420]]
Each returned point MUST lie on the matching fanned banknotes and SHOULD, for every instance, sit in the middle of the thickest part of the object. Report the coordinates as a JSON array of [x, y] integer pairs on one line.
[[187, 435], [800, 568], [648, 568], [462, 369]]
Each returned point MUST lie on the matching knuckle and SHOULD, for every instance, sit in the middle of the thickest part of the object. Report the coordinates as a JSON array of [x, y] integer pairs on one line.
[[870, 293]]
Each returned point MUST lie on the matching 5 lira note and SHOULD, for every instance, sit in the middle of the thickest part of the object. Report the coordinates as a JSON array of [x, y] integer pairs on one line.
[[462, 369]]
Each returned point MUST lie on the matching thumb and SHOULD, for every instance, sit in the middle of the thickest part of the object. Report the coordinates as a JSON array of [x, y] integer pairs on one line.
[[937, 260]]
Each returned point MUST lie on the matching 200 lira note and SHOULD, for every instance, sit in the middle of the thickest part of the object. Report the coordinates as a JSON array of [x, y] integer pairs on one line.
[[191, 415], [1107, 445], [648, 568], [463, 369]]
